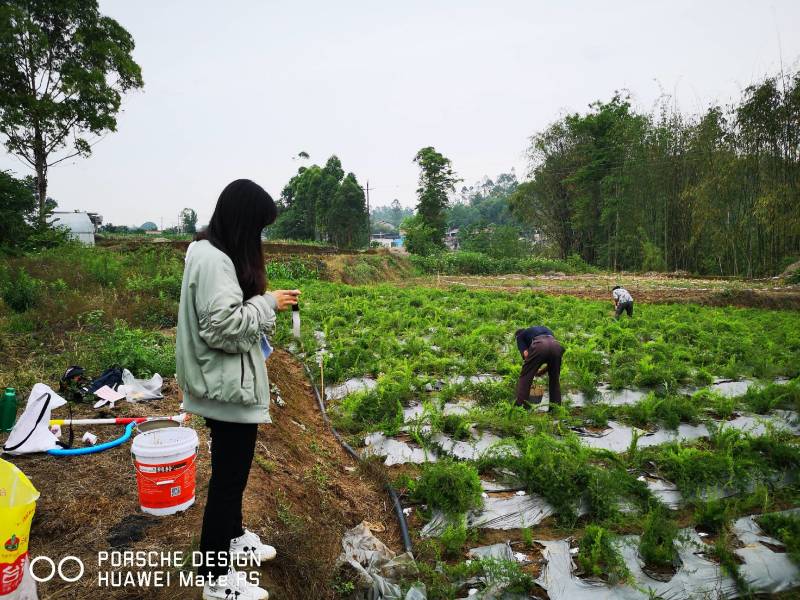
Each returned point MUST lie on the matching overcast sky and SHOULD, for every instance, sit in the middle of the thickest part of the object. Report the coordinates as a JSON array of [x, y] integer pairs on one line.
[[237, 88]]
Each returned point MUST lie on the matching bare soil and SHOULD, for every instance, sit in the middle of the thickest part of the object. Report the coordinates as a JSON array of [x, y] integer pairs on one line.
[[304, 491], [645, 288]]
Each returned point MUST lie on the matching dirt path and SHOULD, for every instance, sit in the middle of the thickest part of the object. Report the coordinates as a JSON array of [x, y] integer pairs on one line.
[[303, 492]]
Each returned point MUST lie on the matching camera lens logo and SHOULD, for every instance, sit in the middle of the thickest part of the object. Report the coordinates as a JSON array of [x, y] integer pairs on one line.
[[53, 569]]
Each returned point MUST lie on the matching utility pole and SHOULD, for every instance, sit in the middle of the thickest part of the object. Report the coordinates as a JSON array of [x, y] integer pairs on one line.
[[368, 196]]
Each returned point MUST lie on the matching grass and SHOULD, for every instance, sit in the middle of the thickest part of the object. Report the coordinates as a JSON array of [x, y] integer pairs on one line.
[[97, 307]]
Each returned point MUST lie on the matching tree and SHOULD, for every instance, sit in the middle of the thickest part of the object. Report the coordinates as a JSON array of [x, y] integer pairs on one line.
[[397, 212], [347, 220], [17, 206], [320, 203], [189, 220], [63, 70], [436, 181], [420, 238], [485, 202]]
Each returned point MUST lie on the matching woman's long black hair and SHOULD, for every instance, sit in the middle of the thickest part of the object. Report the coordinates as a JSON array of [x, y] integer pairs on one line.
[[243, 209]]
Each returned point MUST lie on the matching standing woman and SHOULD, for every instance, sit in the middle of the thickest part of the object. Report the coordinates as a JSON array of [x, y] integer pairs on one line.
[[223, 318]]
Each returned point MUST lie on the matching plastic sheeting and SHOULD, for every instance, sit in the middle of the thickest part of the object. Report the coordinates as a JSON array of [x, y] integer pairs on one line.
[[396, 452], [765, 570], [514, 512], [617, 437], [377, 567], [725, 387], [358, 384], [471, 449]]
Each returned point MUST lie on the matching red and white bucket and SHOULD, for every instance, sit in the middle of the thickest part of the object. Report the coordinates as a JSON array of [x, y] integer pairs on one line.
[[165, 469]]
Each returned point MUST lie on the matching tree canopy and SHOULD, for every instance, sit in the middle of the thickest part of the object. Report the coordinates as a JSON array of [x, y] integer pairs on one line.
[[320, 203], [63, 70], [437, 180], [719, 193]]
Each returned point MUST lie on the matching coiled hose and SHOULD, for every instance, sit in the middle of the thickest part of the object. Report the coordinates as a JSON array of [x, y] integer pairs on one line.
[[98, 448], [398, 508]]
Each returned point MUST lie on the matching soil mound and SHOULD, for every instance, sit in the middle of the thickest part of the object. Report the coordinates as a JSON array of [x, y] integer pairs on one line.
[[304, 491]]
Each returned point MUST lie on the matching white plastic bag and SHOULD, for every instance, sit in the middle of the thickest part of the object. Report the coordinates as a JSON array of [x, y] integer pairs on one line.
[[137, 390], [32, 432]]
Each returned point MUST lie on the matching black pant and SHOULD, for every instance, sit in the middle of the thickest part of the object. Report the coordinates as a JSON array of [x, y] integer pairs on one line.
[[624, 306], [543, 350], [232, 448]]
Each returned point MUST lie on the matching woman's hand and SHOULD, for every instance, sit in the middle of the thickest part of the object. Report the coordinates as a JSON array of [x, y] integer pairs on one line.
[[285, 298]]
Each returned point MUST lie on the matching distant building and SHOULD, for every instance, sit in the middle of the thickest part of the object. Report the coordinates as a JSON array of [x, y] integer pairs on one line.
[[81, 225], [387, 240], [451, 239]]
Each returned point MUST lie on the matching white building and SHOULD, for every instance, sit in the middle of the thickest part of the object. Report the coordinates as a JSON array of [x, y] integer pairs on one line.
[[80, 225]]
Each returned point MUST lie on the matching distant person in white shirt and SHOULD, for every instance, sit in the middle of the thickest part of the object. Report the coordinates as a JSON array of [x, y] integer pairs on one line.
[[623, 301]]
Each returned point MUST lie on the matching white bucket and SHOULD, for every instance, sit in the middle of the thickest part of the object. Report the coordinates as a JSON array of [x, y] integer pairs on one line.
[[164, 460]]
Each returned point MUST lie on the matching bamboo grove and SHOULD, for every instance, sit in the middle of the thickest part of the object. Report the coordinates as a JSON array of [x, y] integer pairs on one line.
[[717, 193]]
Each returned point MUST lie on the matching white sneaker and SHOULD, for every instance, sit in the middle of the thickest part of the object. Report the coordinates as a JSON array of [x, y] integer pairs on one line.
[[233, 586], [249, 546]]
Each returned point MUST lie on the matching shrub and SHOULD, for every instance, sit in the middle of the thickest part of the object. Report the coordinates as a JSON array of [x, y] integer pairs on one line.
[[560, 470], [105, 267], [292, 270], [454, 537], [657, 543], [456, 426], [712, 516], [160, 286], [141, 352], [721, 406], [369, 411], [762, 399], [450, 486], [670, 410], [786, 528], [599, 557], [21, 291], [478, 263]]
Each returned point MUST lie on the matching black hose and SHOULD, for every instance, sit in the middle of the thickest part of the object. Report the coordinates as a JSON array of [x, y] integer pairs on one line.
[[398, 508]]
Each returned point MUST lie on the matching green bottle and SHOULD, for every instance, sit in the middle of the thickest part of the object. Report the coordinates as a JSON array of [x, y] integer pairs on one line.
[[8, 410]]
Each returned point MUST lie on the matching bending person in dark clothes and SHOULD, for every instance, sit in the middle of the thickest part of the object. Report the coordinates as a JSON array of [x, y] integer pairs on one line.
[[542, 354]]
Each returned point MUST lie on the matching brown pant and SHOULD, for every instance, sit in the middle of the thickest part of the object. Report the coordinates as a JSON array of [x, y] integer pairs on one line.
[[543, 350]]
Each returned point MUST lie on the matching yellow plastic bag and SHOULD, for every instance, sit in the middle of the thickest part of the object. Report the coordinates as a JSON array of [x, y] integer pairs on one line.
[[17, 504]]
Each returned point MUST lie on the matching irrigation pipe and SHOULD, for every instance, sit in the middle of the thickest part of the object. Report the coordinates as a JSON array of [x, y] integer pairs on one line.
[[99, 448], [398, 508]]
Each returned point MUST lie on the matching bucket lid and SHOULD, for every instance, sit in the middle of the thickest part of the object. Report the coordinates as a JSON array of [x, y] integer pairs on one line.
[[164, 442]]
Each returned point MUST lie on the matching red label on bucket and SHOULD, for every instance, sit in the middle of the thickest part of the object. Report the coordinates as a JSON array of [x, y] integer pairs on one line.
[[165, 485]]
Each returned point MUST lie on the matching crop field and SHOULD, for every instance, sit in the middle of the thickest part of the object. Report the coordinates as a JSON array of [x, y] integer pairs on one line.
[[655, 446], [677, 440]]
